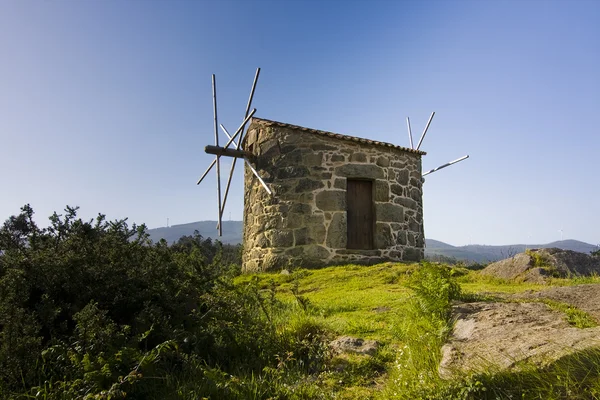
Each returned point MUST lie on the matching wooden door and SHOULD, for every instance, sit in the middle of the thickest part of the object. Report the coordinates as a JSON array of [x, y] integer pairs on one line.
[[360, 215]]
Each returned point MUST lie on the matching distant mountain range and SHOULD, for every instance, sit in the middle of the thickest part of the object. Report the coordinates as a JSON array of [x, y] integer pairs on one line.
[[483, 253], [232, 234]]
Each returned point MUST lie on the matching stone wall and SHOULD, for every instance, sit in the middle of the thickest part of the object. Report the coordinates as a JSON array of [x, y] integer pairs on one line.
[[304, 222]]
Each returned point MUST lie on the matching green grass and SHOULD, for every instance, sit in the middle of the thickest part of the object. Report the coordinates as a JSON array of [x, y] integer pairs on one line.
[[406, 309], [574, 315], [353, 300]]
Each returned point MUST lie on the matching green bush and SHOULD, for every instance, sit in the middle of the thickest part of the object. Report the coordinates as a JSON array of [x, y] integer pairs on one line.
[[95, 310], [435, 289]]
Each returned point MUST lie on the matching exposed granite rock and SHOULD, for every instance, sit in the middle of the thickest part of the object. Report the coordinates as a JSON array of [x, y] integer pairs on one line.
[[537, 265], [349, 344], [496, 336]]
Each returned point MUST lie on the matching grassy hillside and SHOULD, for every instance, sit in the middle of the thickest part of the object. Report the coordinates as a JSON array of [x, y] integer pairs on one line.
[[405, 308]]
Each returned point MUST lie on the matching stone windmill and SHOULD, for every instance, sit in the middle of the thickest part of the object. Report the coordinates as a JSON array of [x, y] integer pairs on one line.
[[314, 198]]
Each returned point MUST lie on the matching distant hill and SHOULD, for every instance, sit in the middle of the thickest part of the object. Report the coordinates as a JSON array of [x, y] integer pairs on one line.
[[483, 253], [232, 231], [436, 244], [232, 234]]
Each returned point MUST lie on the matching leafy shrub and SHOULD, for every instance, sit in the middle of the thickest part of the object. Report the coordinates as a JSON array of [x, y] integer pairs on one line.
[[95, 310], [435, 289]]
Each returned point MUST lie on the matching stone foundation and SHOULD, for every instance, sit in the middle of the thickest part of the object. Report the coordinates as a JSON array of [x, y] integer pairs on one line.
[[304, 222]]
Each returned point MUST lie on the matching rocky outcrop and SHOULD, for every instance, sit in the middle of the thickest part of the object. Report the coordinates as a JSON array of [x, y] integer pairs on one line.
[[537, 265], [585, 297], [304, 223], [495, 336], [349, 344]]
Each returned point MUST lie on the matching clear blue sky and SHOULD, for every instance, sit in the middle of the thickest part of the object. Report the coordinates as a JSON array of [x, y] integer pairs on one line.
[[107, 104]]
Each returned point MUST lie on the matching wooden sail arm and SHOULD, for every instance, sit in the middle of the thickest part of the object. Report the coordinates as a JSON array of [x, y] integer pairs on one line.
[[222, 151]]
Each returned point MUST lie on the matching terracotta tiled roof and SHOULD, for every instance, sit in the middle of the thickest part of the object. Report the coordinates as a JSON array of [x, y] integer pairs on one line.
[[267, 122]]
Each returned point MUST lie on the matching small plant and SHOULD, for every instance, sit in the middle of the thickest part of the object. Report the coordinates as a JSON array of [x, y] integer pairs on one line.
[[539, 260], [303, 301], [435, 289]]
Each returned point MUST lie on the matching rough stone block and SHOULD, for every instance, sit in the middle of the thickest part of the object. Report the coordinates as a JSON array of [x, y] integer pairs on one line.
[[316, 252], [415, 194], [397, 189], [337, 231], [410, 239], [419, 241], [292, 172], [388, 212], [312, 159], [301, 236], [395, 254], [316, 233], [322, 146], [300, 208], [415, 182], [412, 254], [396, 227], [274, 261], [340, 183], [399, 164], [358, 157], [301, 197], [251, 136], [270, 149], [272, 222], [251, 266], [366, 171], [338, 158], [383, 161], [369, 253], [292, 221], [255, 253], [382, 191], [291, 154], [407, 203], [383, 236], [414, 226], [295, 251], [308, 185], [261, 241], [280, 238], [402, 177], [331, 200]]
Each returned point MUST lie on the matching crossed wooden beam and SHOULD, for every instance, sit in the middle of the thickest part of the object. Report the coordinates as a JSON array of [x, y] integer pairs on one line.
[[225, 151]]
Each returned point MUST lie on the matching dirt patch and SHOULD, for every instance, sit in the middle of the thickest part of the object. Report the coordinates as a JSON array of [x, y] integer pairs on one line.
[[501, 335]]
